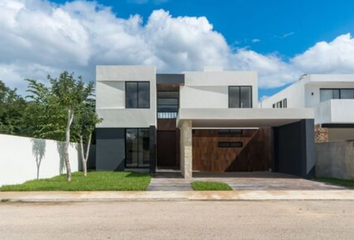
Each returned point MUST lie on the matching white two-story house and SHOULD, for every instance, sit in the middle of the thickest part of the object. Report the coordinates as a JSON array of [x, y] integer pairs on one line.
[[330, 95], [196, 121]]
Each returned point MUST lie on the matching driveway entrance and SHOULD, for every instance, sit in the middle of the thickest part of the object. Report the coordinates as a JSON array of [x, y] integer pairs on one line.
[[173, 181]]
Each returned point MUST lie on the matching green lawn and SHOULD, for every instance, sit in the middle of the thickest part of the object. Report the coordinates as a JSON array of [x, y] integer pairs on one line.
[[210, 186], [335, 181], [95, 181]]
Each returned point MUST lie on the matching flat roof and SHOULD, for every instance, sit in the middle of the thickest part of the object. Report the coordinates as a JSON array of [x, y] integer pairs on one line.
[[243, 117]]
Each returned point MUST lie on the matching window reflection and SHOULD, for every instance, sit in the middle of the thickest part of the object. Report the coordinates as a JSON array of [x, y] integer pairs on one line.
[[137, 145], [240, 97]]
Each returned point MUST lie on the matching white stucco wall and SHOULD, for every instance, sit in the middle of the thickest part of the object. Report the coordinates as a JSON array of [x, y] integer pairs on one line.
[[335, 111], [19, 157], [204, 97], [295, 95], [210, 89], [110, 96]]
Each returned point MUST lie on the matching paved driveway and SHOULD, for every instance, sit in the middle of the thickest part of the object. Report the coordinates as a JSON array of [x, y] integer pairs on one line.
[[169, 181], [173, 181]]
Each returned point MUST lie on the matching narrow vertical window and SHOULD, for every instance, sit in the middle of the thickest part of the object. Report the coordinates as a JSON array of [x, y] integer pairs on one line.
[[246, 97], [143, 95], [131, 95], [285, 103], [234, 97], [131, 145]]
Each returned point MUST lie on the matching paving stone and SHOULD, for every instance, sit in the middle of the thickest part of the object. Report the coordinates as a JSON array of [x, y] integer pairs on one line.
[[173, 181]]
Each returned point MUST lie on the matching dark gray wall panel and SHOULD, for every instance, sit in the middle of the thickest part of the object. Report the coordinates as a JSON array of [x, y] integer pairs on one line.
[[110, 149], [153, 149], [169, 78], [294, 149], [310, 160], [91, 162]]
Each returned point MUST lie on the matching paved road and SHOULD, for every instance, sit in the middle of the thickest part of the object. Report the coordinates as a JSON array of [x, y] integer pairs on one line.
[[179, 220]]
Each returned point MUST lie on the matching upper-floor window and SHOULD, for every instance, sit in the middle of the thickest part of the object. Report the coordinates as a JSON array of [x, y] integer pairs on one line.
[[240, 97], [338, 93], [281, 104], [167, 103], [137, 95]]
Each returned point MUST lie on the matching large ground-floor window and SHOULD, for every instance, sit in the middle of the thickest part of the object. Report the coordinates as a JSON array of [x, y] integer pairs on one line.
[[137, 148]]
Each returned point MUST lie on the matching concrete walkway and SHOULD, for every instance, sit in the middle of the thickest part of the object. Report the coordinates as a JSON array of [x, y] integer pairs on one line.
[[244, 195], [169, 180]]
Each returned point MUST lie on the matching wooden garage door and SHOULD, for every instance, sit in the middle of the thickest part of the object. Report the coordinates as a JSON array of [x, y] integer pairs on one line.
[[253, 154]]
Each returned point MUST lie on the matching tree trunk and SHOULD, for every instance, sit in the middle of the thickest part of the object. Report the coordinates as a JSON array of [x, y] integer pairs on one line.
[[84, 156], [67, 142]]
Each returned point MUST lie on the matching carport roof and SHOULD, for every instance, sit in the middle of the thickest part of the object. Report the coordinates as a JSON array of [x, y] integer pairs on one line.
[[242, 117]]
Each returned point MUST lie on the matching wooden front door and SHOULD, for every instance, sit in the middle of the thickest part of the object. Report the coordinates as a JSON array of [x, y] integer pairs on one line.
[[166, 149]]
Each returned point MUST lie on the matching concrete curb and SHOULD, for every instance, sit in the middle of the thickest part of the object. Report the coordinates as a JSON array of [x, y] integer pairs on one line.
[[244, 195]]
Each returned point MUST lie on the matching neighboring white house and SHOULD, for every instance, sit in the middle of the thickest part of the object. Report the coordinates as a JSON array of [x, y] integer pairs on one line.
[[331, 96]]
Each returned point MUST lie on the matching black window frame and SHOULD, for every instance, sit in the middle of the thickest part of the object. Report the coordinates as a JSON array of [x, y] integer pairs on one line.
[[137, 100], [339, 90], [125, 150], [281, 104], [230, 131], [239, 95], [230, 144], [285, 103]]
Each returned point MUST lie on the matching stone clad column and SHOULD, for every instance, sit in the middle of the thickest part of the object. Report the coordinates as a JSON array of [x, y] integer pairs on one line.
[[186, 149]]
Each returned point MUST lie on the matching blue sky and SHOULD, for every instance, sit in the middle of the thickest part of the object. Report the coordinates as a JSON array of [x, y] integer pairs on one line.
[[288, 27], [279, 39]]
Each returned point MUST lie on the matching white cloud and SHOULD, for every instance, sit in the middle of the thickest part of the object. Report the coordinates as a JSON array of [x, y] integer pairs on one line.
[[272, 70], [285, 35], [256, 40], [333, 57], [40, 38]]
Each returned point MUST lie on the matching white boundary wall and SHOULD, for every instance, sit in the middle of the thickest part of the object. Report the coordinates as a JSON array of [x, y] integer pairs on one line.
[[19, 157]]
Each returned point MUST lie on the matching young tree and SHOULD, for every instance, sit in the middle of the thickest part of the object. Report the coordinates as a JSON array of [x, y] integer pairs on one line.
[[85, 122], [45, 117], [71, 94], [12, 109]]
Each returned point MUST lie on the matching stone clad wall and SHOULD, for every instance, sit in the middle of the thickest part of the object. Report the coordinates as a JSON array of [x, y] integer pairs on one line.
[[321, 134], [186, 149], [335, 159]]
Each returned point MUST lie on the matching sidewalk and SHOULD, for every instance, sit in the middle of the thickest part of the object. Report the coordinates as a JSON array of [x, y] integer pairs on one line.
[[244, 195]]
